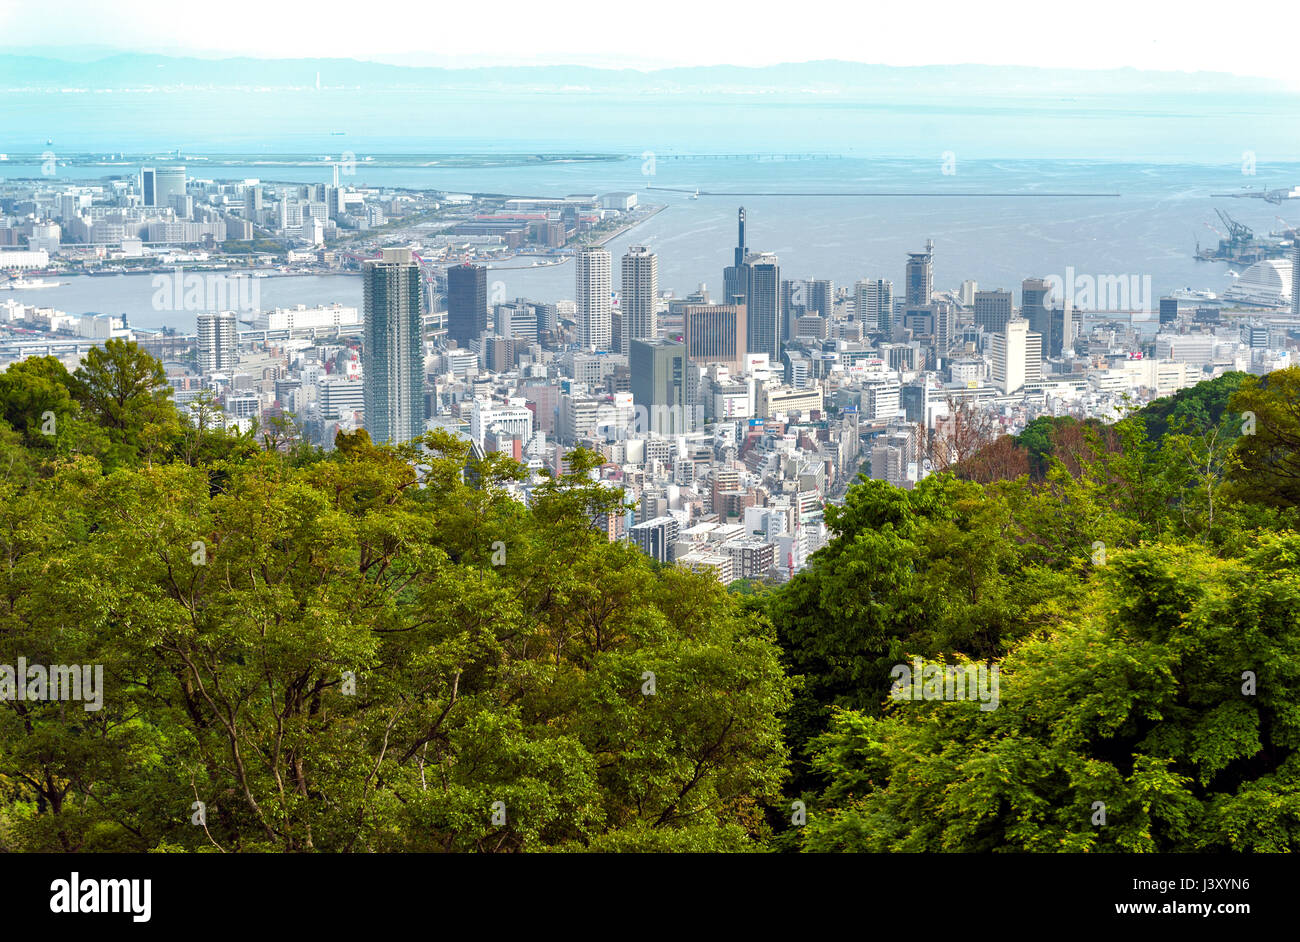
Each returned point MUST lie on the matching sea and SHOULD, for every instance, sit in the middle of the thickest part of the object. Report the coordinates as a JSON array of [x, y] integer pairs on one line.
[[842, 191]]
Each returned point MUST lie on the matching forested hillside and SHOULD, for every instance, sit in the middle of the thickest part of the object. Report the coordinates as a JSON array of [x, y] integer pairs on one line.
[[376, 649]]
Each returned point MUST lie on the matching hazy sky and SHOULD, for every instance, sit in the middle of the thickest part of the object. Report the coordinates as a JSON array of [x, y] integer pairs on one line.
[[1190, 35]]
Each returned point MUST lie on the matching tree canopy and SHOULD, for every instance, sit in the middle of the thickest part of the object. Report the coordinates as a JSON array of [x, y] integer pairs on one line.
[[378, 648]]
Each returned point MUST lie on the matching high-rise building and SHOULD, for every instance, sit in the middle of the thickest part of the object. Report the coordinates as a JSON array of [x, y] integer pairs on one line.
[[821, 294], [993, 309], [804, 298], [253, 203], [467, 308], [593, 287], [1035, 304], [1033, 356], [733, 280], [761, 274], [920, 276], [639, 296], [148, 186], [161, 184], [1010, 348], [873, 304], [393, 354], [945, 326], [1295, 278], [1060, 337], [218, 340], [659, 384], [517, 319], [1168, 311], [715, 333]]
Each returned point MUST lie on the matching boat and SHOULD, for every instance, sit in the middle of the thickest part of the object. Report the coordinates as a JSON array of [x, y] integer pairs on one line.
[[27, 285], [1193, 294]]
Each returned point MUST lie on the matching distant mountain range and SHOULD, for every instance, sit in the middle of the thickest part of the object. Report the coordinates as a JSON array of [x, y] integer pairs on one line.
[[827, 77]]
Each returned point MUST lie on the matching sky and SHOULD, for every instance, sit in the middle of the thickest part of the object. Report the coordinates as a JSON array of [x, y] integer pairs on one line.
[[1190, 35]]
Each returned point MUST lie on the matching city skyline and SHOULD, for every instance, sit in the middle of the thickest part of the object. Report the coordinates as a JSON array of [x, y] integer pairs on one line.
[[604, 458]]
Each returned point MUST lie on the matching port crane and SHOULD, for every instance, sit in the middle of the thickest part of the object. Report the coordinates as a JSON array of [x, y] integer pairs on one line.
[[1237, 232]]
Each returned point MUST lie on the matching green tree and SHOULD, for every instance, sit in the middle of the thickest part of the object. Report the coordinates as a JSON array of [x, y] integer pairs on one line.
[[1171, 701], [126, 390], [1268, 451]]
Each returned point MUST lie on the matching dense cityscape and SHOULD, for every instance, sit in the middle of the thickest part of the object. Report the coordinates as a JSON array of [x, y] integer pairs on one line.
[[727, 417], [461, 458]]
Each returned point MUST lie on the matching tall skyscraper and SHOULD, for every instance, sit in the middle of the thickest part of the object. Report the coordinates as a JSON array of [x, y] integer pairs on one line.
[[733, 280], [715, 333], [148, 186], [945, 326], [920, 276], [593, 287], [393, 355], [1295, 278], [993, 309], [659, 384], [639, 296], [761, 274], [874, 304], [467, 307], [218, 337]]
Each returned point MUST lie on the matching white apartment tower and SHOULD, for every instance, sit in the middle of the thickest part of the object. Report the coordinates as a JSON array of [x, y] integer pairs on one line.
[[218, 336], [639, 297], [593, 287]]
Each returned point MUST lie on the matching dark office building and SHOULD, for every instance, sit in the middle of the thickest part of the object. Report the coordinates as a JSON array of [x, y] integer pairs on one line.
[[467, 310], [1168, 311], [658, 370], [993, 309], [1035, 298], [762, 279], [1060, 335]]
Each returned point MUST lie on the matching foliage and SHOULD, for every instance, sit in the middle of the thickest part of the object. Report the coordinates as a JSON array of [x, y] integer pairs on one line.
[[382, 649], [363, 652]]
